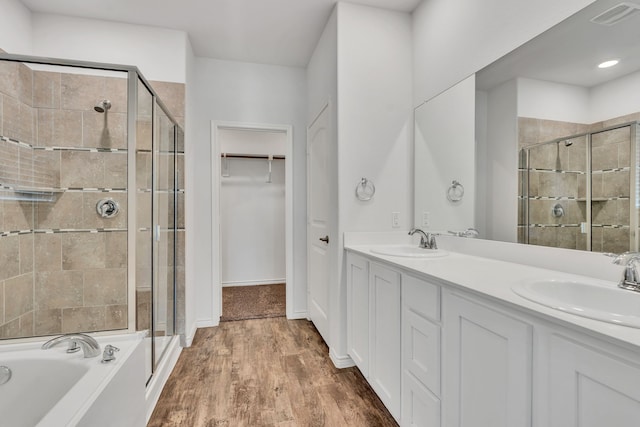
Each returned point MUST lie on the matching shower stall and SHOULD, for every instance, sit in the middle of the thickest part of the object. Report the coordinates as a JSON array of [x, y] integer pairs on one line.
[[581, 191], [91, 203]]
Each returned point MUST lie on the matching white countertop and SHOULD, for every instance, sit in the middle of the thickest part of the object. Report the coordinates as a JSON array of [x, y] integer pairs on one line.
[[493, 278]]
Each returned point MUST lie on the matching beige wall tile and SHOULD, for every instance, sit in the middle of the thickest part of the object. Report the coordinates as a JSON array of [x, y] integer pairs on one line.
[[616, 184], [18, 296], [115, 169], [18, 215], [10, 329], [116, 92], [543, 236], [611, 137], [46, 168], [180, 248], [48, 322], [615, 240], [104, 130], [18, 120], [10, 259], [46, 89], [143, 310], [80, 92], [116, 249], [83, 319], [143, 170], [144, 133], [604, 157], [596, 239], [9, 79], [64, 212], [605, 212], [59, 128], [105, 287], [143, 209], [26, 253], [83, 251], [58, 289], [10, 154], [48, 252], [567, 237], [116, 317], [172, 95], [82, 169], [181, 211], [25, 85]]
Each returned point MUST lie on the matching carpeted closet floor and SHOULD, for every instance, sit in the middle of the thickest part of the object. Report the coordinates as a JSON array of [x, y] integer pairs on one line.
[[253, 302]]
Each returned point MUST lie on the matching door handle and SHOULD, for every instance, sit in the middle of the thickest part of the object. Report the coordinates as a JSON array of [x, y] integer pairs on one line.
[[325, 239]]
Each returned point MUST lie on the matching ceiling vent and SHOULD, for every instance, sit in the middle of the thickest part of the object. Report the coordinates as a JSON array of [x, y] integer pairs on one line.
[[616, 14]]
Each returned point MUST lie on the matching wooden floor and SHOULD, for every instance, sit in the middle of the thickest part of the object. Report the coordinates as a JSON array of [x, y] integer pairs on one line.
[[265, 372]]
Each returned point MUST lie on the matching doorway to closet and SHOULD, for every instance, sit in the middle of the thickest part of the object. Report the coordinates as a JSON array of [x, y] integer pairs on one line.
[[253, 219]]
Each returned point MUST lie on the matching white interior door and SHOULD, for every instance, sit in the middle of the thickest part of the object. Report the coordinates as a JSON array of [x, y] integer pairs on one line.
[[318, 138]]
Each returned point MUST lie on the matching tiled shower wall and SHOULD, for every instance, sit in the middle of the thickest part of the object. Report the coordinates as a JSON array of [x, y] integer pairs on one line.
[[561, 177], [64, 268]]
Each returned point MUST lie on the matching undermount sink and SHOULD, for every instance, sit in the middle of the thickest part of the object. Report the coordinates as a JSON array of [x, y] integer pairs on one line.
[[607, 303], [408, 251]]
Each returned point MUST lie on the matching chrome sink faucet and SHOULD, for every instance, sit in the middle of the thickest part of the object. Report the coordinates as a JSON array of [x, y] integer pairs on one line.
[[89, 345], [631, 278], [427, 240]]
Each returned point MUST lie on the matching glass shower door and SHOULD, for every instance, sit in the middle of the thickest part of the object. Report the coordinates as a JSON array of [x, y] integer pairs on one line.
[[164, 155]]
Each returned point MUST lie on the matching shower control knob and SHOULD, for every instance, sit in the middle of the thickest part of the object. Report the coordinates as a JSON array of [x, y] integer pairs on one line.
[[107, 208]]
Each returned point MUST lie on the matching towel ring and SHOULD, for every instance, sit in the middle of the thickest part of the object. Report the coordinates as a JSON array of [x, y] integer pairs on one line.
[[455, 192], [365, 190]]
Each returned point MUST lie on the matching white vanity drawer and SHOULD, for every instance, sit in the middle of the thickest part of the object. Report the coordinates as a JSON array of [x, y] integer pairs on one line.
[[420, 408], [421, 297], [421, 349]]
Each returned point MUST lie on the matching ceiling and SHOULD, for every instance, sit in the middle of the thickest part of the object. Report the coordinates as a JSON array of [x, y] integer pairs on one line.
[[281, 32], [571, 51]]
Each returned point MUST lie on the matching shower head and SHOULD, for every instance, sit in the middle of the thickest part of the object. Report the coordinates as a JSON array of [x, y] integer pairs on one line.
[[568, 143], [102, 105]]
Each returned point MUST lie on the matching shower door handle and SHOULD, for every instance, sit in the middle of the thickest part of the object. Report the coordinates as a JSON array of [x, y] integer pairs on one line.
[[324, 239], [157, 233]]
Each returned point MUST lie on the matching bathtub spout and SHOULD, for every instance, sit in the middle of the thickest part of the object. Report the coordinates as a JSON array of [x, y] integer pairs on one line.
[[89, 345]]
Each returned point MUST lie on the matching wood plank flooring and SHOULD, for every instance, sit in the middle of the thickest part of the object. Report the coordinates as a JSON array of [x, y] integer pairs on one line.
[[265, 372]]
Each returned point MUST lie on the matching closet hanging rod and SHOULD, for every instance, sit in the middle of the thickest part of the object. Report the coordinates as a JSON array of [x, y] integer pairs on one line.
[[250, 156]]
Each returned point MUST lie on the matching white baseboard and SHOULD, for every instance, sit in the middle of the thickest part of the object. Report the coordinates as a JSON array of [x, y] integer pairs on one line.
[[254, 282], [161, 375], [340, 361], [298, 315], [187, 339], [207, 323]]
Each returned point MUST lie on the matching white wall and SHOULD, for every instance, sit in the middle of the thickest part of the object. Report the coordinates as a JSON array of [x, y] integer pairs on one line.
[[615, 98], [252, 223], [374, 131], [251, 93], [159, 53], [553, 101], [15, 27], [456, 38], [444, 152], [502, 164]]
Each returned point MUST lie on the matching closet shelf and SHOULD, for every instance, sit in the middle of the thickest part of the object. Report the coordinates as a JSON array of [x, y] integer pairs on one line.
[[251, 156]]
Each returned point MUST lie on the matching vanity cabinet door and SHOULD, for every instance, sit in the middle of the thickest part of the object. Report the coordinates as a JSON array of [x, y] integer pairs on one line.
[[384, 335], [487, 366], [591, 388], [358, 311]]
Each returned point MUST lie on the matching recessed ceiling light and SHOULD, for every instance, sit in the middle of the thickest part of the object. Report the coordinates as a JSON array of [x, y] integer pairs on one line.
[[607, 64]]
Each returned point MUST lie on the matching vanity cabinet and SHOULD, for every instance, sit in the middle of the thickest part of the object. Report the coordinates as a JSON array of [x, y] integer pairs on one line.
[[358, 311], [438, 355], [420, 353], [590, 387], [373, 327], [488, 369]]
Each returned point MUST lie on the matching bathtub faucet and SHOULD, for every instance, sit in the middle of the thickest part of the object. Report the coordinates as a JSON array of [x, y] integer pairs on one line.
[[89, 345]]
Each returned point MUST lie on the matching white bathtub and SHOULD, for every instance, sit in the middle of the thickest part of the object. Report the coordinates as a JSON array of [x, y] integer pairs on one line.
[[54, 388]]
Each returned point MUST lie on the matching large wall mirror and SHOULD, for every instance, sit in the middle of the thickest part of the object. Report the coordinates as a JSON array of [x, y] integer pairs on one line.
[[556, 135]]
